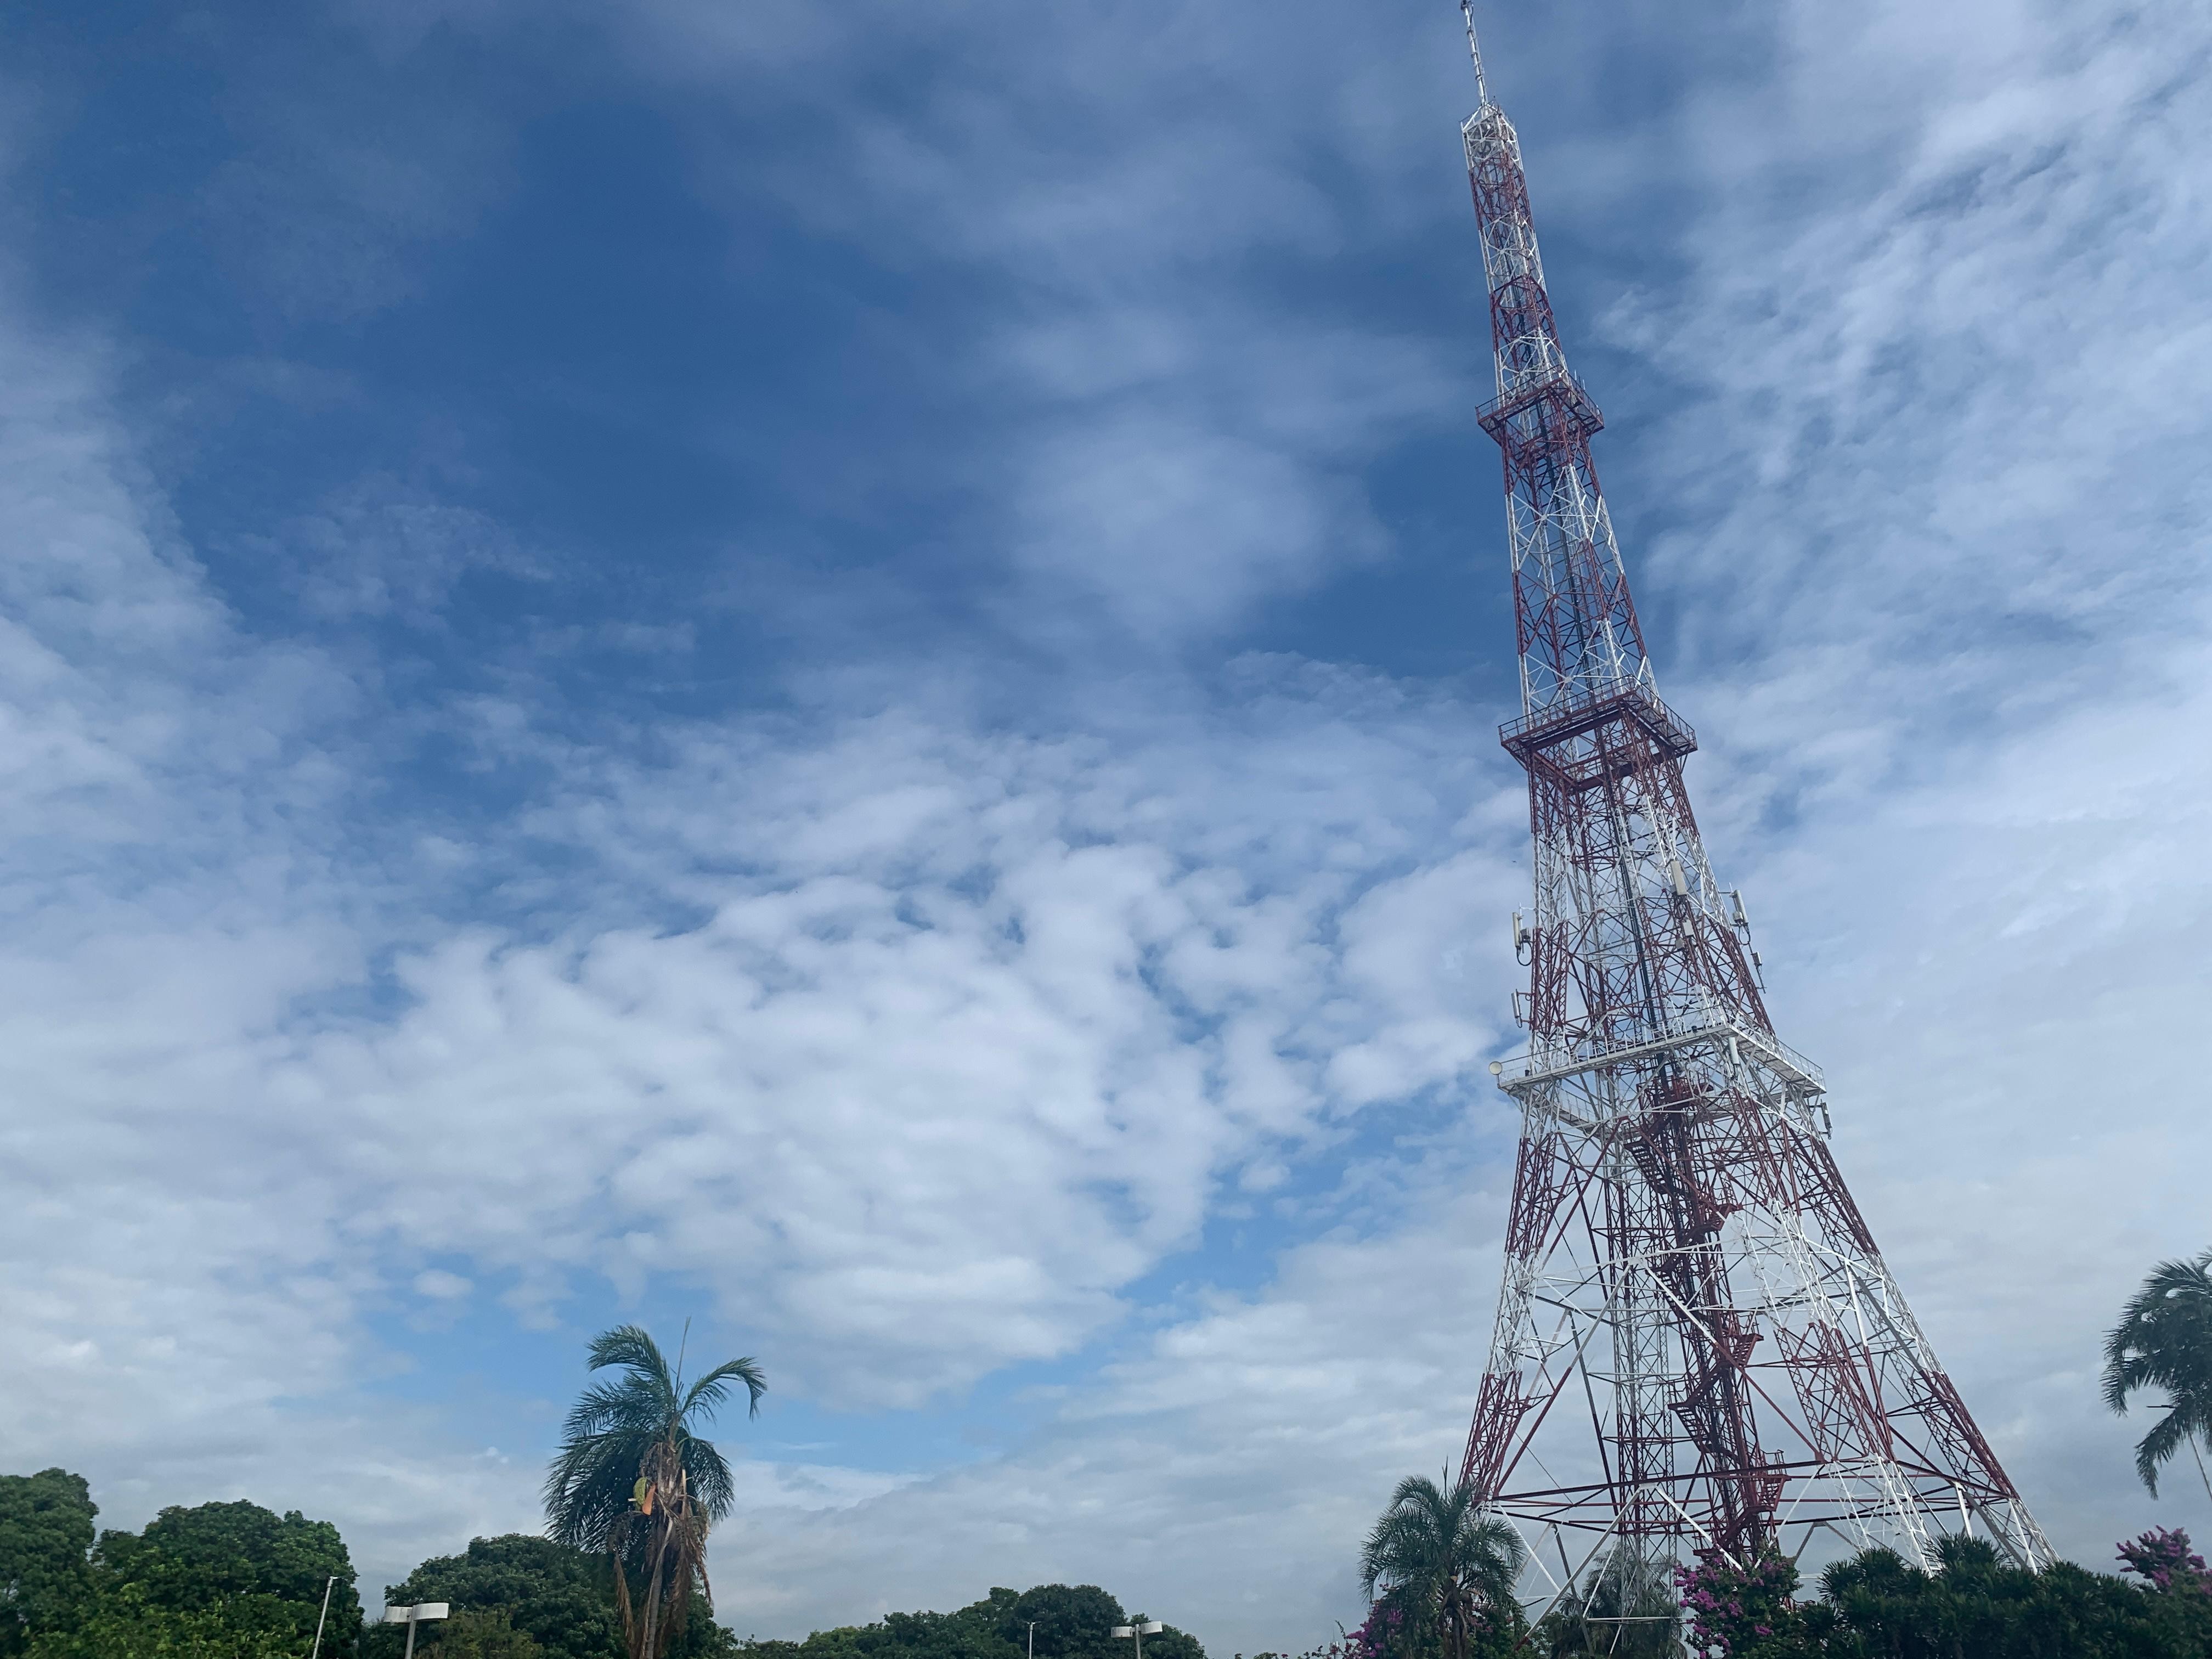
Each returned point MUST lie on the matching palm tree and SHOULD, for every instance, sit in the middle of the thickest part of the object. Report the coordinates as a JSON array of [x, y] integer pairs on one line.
[[2164, 1341], [633, 1479], [1436, 1556], [1625, 1610]]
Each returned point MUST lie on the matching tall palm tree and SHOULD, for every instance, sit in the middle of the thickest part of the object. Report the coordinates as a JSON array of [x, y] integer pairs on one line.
[[1624, 1610], [634, 1479], [1436, 1556], [2164, 1341]]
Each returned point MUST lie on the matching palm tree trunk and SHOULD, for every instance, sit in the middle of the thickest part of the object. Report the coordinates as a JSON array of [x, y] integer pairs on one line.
[[651, 1649], [623, 1603]]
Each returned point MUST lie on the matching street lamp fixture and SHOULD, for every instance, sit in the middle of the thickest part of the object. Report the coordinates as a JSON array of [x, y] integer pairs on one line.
[[410, 1617], [1138, 1632]]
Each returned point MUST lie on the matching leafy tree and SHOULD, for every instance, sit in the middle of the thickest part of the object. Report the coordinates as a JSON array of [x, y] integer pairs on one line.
[[1073, 1622], [1623, 1609], [123, 1622], [1746, 1611], [195, 1559], [634, 1480], [471, 1634], [220, 1581], [45, 1532], [2164, 1342], [1876, 1605], [970, 1633], [1386, 1633], [2164, 1561], [1436, 1556], [560, 1598]]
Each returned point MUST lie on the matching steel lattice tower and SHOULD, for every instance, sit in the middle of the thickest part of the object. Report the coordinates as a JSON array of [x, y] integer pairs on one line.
[[1698, 1345]]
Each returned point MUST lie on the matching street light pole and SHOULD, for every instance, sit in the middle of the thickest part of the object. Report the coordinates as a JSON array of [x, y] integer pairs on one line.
[[329, 1584], [421, 1612], [1140, 1631], [1033, 1624]]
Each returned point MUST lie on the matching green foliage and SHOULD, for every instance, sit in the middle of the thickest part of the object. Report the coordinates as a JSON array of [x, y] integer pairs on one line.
[[1448, 1570], [1623, 1612], [2164, 1342], [485, 1635], [555, 1596], [46, 1532], [1746, 1611], [1875, 1606], [125, 1623], [1073, 1622], [194, 1558], [561, 1598], [1878, 1605], [1393, 1632], [228, 1580]]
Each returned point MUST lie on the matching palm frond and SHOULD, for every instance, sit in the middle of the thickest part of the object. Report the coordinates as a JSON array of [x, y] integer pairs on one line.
[[2167, 1436], [708, 1393], [633, 1346], [708, 1471], [2163, 1341], [2163, 1337], [627, 1404]]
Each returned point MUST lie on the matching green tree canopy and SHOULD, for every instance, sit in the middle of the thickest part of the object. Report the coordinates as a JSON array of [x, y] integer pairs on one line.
[[212, 1553], [470, 1634], [46, 1533], [220, 1581], [1074, 1621], [1878, 1605], [560, 1599], [1974, 1605], [124, 1624]]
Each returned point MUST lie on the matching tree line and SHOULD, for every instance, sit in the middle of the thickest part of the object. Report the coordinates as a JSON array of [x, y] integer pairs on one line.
[[235, 1580], [619, 1573]]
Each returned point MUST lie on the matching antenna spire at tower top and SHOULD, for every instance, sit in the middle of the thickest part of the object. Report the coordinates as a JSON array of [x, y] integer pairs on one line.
[[1474, 51]]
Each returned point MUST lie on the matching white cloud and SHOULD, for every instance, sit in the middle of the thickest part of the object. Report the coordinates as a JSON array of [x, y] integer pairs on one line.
[[959, 1051], [968, 1033], [379, 548]]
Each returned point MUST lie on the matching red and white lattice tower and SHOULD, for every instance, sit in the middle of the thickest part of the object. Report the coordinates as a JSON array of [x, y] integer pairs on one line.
[[1698, 1345]]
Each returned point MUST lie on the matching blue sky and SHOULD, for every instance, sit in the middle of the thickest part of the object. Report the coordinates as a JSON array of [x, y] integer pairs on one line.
[[834, 671]]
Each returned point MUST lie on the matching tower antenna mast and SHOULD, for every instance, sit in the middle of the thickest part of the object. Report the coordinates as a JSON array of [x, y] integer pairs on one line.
[[1474, 51], [1699, 1348]]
